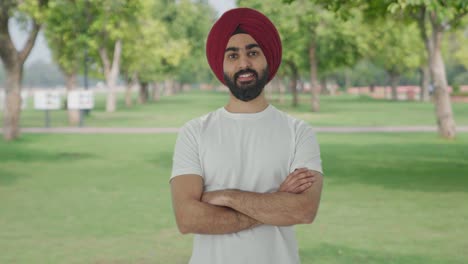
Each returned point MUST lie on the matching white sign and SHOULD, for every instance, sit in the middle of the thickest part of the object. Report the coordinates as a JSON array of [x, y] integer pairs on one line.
[[24, 100], [80, 100], [47, 100]]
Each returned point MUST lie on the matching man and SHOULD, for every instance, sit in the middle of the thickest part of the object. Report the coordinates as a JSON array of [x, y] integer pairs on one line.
[[244, 174]]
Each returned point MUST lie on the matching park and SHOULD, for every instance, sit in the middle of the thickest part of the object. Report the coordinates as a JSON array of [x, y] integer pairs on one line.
[[104, 198], [90, 184]]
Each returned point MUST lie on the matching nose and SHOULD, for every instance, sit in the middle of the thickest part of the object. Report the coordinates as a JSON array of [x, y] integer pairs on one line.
[[244, 62]]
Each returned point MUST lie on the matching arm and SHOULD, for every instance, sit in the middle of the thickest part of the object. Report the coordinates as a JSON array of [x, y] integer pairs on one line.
[[194, 216], [278, 208]]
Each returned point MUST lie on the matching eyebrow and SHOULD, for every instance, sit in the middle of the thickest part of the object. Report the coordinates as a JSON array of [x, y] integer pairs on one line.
[[248, 47]]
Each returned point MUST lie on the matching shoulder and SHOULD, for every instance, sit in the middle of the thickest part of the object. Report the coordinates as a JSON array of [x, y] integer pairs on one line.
[[298, 126], [195, 126]]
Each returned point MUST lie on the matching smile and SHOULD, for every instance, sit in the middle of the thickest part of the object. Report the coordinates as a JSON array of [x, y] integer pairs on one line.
[[246, 77]]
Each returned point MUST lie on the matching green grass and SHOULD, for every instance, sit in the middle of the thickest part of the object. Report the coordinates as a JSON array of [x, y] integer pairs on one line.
[[388, 198], [174, 111]]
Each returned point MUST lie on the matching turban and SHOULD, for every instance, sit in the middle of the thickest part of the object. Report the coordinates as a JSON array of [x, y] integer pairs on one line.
[[251, 22]]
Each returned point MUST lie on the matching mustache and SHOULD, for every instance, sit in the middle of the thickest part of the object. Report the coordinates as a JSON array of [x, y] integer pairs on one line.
[[244, 72]]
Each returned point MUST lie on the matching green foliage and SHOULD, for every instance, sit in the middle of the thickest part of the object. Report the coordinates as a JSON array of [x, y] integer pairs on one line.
[[167, 41], [189, 22], [446, 13], [32, 9], [456, 46], [395, 46], [65, 31], [76, 27], [148, 47]]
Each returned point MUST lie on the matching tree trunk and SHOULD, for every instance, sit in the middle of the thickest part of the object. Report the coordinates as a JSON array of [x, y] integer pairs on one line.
[[177, 87], [111, 72], [282, 91], [293, 82], [12, 110], [273, 87], [13, 61], [394, 80], [73, 114], [293, 89], [323, 86], [169, 87], [424, 83], [128, 95], [156, 92], [144, 93], [267, 90], [426, 69], [347, 79], [314, 87], [129, 90], [443, 105]]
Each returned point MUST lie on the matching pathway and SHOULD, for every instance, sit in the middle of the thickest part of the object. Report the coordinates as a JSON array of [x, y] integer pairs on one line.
[[154, 130]]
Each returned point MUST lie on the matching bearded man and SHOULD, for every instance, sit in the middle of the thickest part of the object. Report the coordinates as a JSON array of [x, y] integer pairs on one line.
[[246, 173]]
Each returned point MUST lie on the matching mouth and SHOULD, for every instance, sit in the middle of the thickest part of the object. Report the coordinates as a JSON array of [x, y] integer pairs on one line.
[[246, 77]]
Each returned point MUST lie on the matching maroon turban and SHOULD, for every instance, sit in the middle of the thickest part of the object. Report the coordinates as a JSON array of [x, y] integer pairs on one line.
[[251, 22]]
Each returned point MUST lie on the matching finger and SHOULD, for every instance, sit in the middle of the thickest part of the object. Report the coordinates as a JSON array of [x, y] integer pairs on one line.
[[292, 185], [298, 178], [302, 188], [293, 174], [302, 182]]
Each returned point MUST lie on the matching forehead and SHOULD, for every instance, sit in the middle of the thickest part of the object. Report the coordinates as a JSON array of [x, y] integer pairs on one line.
[[240, 41]]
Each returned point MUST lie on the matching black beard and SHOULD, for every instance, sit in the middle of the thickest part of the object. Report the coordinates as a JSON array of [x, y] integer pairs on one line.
[[249, 91]]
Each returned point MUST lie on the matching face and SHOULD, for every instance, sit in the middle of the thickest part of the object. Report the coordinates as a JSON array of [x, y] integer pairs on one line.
[[245, 67]]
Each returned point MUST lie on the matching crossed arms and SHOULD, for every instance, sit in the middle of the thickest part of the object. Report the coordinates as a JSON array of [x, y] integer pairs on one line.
[[230, 211]]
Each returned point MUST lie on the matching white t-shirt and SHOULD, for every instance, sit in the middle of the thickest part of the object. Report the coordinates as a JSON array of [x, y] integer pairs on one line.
[[251, 152]]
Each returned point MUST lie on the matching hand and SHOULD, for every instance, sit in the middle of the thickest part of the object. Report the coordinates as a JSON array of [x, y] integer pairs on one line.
[[298, 181]]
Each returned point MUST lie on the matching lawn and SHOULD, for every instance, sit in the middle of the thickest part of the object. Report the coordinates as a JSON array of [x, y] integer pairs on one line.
[[174, 111], [388, 198]]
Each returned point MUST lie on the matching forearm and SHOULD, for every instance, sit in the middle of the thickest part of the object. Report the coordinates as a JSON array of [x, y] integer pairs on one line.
[[279, 208], [203, 218]]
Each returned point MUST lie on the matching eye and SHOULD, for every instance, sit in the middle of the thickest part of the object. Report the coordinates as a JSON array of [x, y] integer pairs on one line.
[[232, 56], [253, 53]]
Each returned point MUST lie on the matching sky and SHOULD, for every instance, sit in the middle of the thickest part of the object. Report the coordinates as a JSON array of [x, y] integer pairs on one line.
[[41, 52]]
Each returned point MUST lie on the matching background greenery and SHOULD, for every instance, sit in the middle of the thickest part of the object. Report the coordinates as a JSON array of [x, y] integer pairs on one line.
[[388, 197], [174, 111]]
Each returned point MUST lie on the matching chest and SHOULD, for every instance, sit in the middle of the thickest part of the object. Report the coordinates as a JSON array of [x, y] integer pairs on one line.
[[250, 158]]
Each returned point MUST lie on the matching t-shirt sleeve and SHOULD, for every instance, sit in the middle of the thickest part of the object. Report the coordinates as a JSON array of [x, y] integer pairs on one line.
[[307, 150], [186, 157]]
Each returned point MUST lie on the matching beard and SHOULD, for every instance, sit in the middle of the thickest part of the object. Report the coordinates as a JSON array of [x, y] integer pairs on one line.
[[248, 91]]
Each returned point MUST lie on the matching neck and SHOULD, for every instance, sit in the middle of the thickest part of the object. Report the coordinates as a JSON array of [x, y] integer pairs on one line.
[[254, 106]]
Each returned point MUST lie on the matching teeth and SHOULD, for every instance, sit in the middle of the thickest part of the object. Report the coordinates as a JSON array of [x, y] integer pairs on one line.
[[245, 75]]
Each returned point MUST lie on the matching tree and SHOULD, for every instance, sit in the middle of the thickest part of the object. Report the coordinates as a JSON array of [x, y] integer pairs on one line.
[[153, 52], [395, 47], [65, 30], [434, 17], [440, 15], [108, 23], [31, 12], [190, 22]]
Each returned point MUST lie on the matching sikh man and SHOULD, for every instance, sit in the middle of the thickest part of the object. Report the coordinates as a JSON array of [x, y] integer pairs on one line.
[[246, 173]]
